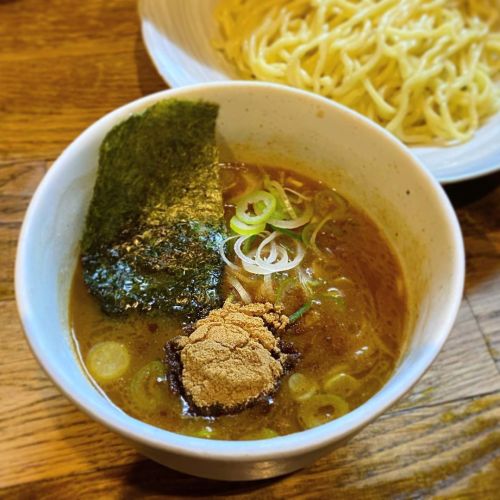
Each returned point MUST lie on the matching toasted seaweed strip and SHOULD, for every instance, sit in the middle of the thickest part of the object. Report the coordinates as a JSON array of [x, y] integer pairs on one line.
[[156, 216]]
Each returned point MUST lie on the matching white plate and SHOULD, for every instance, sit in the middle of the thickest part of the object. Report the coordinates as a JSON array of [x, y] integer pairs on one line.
[[178, 35]]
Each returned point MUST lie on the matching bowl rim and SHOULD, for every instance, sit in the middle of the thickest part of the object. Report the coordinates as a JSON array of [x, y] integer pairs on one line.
[[242, 451]]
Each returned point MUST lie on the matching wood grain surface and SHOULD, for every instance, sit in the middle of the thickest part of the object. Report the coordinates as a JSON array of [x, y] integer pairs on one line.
[[65, 63]]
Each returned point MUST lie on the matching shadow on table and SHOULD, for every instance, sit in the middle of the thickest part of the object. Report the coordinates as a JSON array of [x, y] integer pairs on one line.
[[463, 194], [477, 203], [149, 478]]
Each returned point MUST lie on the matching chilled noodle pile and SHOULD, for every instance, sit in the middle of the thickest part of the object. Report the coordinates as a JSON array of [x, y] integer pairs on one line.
[[427, 70]]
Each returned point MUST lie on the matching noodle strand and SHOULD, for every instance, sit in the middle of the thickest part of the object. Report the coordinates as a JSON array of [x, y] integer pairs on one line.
[[427, 70]]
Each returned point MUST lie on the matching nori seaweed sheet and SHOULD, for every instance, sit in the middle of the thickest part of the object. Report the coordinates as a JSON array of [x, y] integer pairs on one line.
[[156, 217]]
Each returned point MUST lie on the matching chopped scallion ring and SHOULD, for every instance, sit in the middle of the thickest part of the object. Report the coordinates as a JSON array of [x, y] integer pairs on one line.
[[266, 203], [240, 227], [302, 219], [277, 189]]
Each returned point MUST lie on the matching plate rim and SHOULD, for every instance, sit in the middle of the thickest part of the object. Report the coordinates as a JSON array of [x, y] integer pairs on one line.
[[173, 82]]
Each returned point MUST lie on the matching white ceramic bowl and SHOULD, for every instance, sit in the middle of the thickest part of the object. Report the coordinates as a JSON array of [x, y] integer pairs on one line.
[[178, 35], [275, 125]]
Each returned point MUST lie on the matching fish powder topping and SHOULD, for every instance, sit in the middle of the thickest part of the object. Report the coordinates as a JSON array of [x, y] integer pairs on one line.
[[233, 358]]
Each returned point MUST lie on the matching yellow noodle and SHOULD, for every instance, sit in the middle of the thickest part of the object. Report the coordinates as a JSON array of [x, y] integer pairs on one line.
[[427, 70]]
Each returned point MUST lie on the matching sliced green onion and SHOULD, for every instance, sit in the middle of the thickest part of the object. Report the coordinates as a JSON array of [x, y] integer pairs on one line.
[[336, 296], [340, 368], [299, 196], [321, 408], [301, 387], [267, 205], [308, 284], [288, 232], [265, 433], [108, 361], [295, 222], [205, 432], [341, 384], [147, 392], [329, 202], [252, 182], [317, 229], [284, 286], [382, 368], [240, 227], [278, 259], [280, 212], [277, 189], [300, 312], [307, 233]]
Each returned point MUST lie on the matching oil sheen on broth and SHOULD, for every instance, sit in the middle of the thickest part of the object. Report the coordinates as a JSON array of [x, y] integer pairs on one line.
[[350, 334]]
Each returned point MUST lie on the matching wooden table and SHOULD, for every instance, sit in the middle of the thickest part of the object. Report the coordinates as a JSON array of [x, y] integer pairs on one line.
[[65, 63]]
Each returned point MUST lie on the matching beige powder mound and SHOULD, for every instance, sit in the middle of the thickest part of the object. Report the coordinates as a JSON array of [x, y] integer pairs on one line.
[[233, 358]]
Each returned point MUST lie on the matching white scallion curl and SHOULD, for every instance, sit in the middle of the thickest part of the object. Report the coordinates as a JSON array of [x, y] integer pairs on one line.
[[255, 262], [245, 296], [223, 254]]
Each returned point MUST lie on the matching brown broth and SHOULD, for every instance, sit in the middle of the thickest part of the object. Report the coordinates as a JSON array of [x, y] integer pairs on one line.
[[362, 336]]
